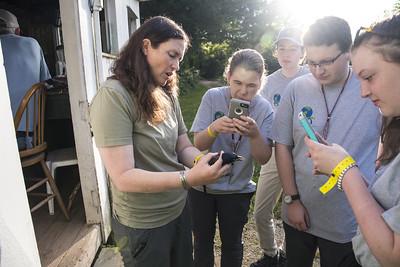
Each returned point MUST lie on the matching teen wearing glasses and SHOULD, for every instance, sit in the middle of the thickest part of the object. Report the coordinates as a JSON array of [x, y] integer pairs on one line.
[[229, 198], [328, 97], [289, 53], [376, 60]]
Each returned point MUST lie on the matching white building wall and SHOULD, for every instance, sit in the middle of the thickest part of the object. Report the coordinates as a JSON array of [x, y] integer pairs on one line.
[[118, 19], [122, 18], [17, 237]]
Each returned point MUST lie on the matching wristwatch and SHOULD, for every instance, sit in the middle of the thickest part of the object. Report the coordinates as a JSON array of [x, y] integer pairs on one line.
[[288, 199]]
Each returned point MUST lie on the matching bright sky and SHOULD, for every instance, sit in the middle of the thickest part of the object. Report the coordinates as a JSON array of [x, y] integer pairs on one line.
[[356, 12]]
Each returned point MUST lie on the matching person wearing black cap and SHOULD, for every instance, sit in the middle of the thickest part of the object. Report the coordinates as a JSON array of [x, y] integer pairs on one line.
[[24, 64]]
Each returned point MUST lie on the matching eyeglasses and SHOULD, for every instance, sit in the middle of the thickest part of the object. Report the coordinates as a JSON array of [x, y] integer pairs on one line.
[[324, 63]]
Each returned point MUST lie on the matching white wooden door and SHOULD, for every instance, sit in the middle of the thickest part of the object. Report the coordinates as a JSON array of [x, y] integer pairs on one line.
[[82, 54], [17, 237]]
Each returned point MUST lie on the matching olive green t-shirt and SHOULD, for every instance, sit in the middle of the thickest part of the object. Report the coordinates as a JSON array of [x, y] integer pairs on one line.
[[115, 122]]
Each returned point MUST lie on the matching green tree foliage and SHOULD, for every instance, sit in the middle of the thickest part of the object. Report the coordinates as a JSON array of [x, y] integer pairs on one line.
[[188, 79], [219, 27], [240, 22], [396, 7], [212, 59]]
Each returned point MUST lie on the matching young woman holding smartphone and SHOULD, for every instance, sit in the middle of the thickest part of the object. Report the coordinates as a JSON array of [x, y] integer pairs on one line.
[[229, 198]]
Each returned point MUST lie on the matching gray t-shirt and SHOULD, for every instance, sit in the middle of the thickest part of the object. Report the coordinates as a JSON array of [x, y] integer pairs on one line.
[[355, 125], [115, 122], [386, 192], [215, 104], [276, 83]]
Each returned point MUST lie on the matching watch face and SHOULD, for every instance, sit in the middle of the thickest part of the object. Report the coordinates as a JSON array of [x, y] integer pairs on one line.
[[287, 199]]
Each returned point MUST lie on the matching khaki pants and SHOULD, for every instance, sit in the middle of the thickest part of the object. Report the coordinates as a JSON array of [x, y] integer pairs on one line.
[[269, 189]]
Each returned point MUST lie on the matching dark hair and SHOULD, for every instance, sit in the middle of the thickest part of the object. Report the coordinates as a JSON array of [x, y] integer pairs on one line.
[[133, 71], [249, 59], [390, 138], [328, 31], [384, 38]]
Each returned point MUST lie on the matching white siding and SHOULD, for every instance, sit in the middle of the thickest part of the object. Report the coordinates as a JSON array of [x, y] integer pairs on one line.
[[118, 20], [122, 19]]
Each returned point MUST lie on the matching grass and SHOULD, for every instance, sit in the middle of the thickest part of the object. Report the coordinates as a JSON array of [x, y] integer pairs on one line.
[[190, 103]]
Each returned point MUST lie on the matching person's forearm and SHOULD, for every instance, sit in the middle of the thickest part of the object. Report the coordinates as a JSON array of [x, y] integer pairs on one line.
[[138, 180], [186, 151], [260, 150], [120, 165], [380, 238], [284, 162], [203, 140], [187, 155]]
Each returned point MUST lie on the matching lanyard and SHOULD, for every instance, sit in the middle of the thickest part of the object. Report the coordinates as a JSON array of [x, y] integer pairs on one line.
[[329, 113], [235, 144]]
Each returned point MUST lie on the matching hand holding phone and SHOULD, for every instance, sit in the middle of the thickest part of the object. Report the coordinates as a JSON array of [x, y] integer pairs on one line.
[[238, 107], [307, 127]]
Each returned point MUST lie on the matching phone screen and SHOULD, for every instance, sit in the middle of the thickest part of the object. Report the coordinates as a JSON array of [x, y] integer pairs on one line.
[[307, 127]]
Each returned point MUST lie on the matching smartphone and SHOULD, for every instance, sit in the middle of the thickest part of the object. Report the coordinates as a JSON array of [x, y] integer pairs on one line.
[[238, 107], [307, 127]]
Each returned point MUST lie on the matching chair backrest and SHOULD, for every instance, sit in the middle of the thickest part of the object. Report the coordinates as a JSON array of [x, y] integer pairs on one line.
[[32, 107]]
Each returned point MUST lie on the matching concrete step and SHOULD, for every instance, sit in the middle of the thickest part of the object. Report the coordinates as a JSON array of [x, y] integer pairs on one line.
[[109, 257]]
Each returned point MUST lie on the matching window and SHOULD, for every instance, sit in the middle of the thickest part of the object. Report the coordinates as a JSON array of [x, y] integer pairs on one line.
[[132, 25], [108, 29]]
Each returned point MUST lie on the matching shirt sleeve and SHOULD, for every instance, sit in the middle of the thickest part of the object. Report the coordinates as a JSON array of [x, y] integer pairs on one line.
[[111, 119], [392, 218], [204, 114], [179, 117], [282, 127]]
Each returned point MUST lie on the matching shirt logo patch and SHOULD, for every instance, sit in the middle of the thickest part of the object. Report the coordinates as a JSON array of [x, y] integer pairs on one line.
[[277, 99], [308, 111], [218, 115]]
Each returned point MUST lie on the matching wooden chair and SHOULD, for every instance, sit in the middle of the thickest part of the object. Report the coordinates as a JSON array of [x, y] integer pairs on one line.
[[35, 153]]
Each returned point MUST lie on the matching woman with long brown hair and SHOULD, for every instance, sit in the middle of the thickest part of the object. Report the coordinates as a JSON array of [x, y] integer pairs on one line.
[[141, 136]]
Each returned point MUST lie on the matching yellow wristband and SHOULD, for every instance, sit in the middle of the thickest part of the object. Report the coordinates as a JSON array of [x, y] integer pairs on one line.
[[211, 133], [197, 158], [326, 187], [343, 166]]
